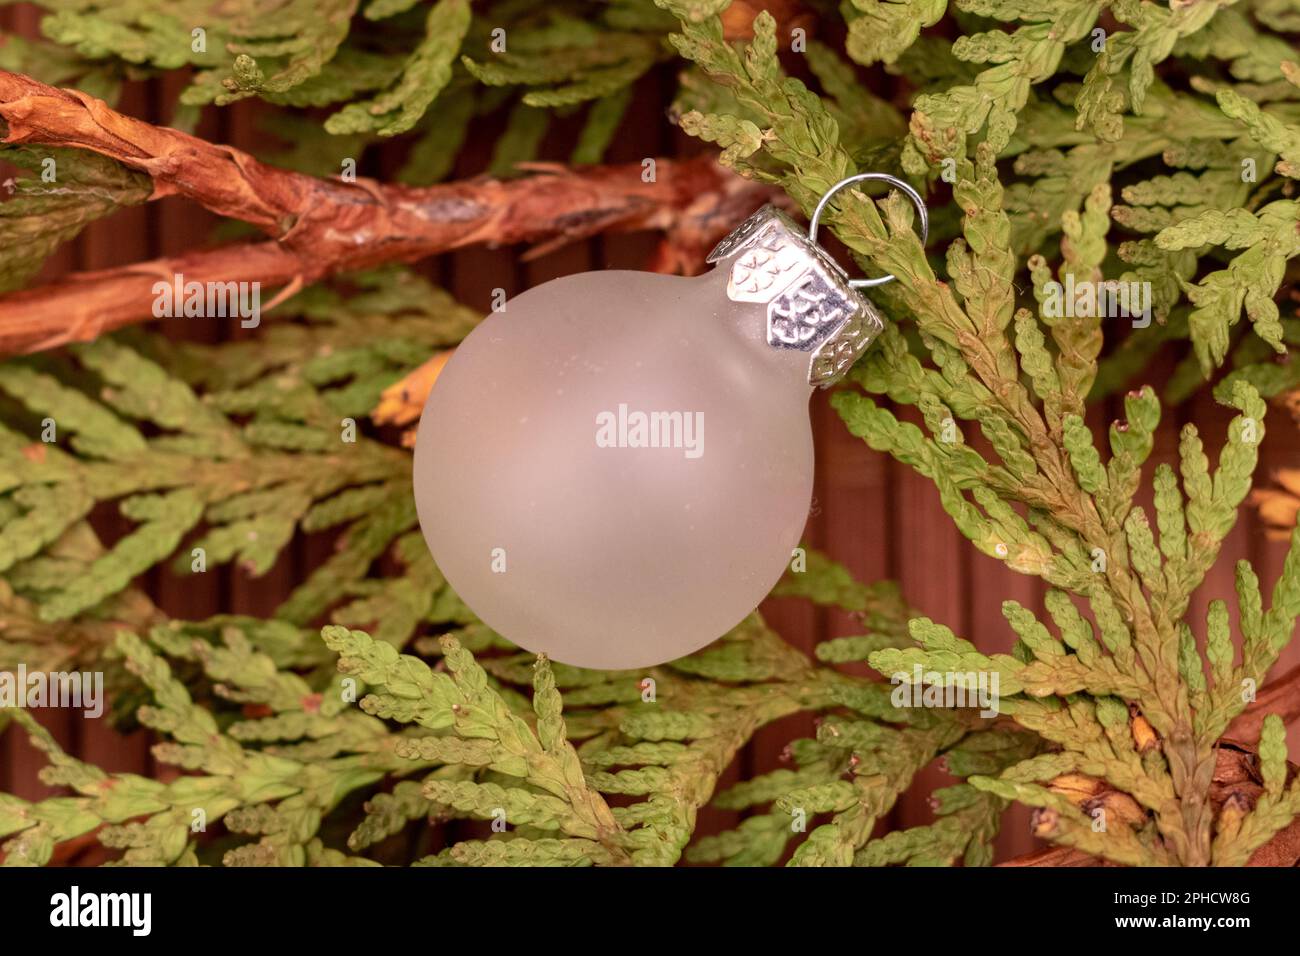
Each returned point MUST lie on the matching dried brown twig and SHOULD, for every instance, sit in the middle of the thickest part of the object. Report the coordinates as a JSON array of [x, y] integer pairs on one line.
[[319, 227]]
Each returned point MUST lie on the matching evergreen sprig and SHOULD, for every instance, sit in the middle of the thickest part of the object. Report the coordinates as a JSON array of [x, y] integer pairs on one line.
[[1074, 155], [359, 59], [274, 750], [1046, 502], [270, 446], [66, 190]]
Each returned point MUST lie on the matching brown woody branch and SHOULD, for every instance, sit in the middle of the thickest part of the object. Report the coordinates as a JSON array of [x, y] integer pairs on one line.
[[318, 227]]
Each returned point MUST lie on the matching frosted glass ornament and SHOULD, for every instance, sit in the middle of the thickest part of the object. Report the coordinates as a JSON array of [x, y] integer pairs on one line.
[[616, 468]]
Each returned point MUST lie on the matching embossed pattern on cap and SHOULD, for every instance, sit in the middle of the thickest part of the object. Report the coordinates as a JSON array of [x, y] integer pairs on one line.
[[810, 304]]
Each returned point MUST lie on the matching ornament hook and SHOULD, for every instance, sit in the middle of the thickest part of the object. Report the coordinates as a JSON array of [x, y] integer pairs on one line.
[[894, 181]]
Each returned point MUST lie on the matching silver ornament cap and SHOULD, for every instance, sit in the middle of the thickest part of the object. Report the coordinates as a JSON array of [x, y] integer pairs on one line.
[[811, 305]]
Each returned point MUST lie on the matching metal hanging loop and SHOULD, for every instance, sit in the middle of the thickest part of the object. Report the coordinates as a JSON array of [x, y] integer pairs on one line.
[[894, 181]]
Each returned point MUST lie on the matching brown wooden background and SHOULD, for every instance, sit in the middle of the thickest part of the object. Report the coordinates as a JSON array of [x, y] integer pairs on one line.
[[877, 517]]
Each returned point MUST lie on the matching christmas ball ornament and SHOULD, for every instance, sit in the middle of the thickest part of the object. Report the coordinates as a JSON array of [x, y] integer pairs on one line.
[[616, 467]]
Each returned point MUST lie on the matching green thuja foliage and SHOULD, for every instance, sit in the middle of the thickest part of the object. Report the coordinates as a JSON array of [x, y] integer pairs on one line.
[[271, 447], [380, 68], [60, 192], [1080, 142], [1200, 175], [1045, 502]]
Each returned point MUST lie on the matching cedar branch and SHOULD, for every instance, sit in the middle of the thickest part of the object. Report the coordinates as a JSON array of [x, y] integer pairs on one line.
[[1236, 774], [319, 227], [1280, 696]]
